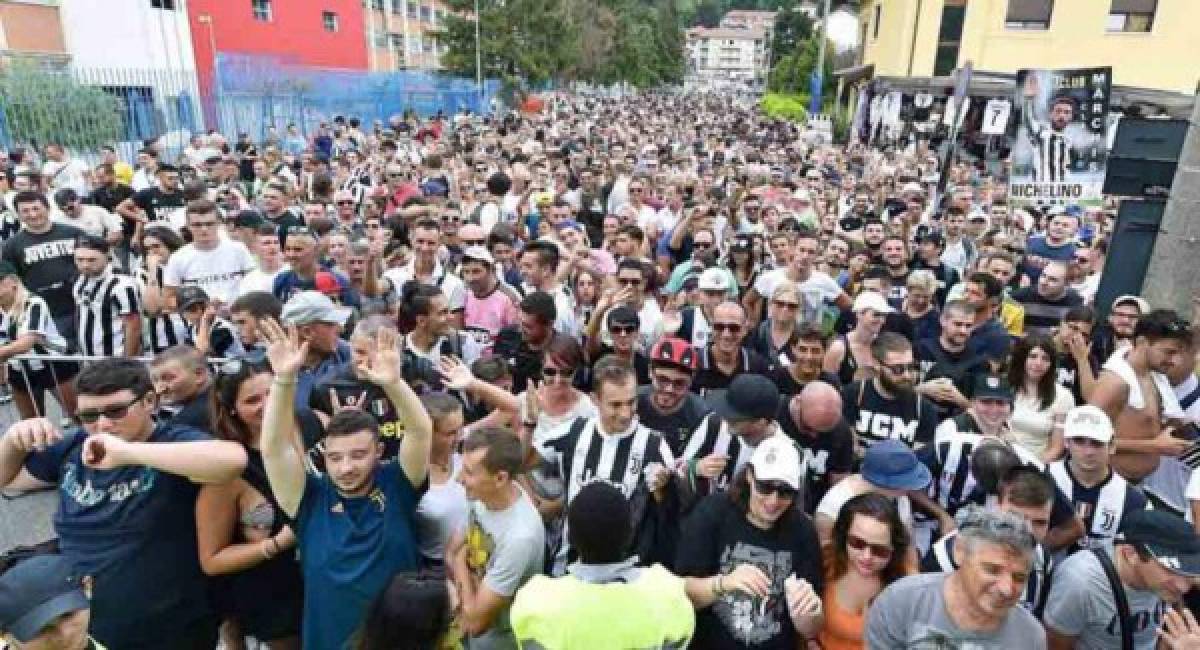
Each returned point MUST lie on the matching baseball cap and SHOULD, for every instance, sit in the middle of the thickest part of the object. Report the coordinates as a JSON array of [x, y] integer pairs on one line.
[[776, 459], [1171, 540], [309, 307], [623, 315], [872, 300], [891, 465], [479, 253], [989, 386], [675, 352], [36, 592], [749, 397], [912, 188], [326, 283], [191, 295], [742, 245], [1138, 301], [1088, 421], [932, 238], [248, 219], [714, 279]]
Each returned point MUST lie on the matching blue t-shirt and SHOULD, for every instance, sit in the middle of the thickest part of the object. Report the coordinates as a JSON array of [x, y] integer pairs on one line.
[[133, 530], [288, 283], [328, 368], [990, 340], [1038, 246], [349, 550]]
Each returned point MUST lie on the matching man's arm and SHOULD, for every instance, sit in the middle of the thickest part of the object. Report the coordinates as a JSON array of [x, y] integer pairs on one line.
[[201, 461], [20, 439], [280, 449], [132, 324], [382, 368]]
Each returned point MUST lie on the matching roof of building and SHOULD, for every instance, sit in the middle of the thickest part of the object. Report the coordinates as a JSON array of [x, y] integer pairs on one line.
[[736, 33]]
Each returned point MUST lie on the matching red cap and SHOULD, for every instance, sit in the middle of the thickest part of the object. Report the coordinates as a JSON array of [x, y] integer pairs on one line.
[[326, 283], [674, 351]]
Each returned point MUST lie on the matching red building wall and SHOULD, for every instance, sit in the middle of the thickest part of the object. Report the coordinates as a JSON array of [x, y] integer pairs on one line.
[[296, 32]]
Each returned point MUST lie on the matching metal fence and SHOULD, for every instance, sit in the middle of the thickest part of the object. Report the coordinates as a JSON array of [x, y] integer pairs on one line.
[[246, 94]]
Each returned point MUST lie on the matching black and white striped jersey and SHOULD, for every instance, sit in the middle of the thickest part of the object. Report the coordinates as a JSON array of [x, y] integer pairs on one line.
[[35, 318], [164, 329], [101, 303], [1101, 507]]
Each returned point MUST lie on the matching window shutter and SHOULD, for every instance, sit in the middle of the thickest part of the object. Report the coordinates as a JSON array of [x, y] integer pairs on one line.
[[1133, 6], [1029, 11]]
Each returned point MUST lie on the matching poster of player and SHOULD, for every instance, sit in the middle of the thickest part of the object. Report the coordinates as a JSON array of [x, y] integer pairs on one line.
[[1059, 125]]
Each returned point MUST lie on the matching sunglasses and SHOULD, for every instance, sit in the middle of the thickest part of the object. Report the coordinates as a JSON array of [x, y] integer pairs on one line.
[[702, 245], [668, 382], [727, 327], [879, 551], [566, 373], [630, 282], [452, 218], [767, 488], [345, 202], [902, 368], [783, 304], [114, 412], [622, 330], [474, 242]]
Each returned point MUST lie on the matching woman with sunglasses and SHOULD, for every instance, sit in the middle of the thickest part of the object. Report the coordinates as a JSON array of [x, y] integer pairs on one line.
[[772, 336], [743, 263], [870, 544], [751, 557], [242, 537]]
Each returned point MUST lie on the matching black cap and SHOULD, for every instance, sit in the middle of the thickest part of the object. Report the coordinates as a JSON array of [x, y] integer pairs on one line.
[[249, 219], [742, 244], [623, 315], [989, 386], [1169, 538], [932, 237], [749, 397], [189, 296], [35, 593], [7, 269]]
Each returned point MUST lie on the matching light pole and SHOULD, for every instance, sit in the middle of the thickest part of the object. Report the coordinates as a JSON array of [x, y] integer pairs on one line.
[[207, 20], [478, 59], [814, 104]]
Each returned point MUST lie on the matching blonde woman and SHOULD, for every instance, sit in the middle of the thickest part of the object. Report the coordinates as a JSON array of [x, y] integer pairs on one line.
[[919, 306], [26, 327], [772, 336]]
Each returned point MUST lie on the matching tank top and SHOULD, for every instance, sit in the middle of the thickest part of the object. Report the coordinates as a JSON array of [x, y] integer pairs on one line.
[[849, 364], [843, 629]]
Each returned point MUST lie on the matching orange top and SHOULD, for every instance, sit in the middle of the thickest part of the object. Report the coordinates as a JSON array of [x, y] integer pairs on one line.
[[843, 629]]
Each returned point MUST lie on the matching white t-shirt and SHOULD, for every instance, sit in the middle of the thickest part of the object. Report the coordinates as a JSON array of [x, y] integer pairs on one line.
[[259, 280], [846, 489], [450, 284], [70, 174], [93, 219], [218, 271], [1031, 425], [815, 292]]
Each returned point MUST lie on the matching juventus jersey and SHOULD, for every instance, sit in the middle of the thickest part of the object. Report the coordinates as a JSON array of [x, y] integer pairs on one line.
[[941, 559], [101, 303], [1101, 507], [34, 318], [1051, 149]]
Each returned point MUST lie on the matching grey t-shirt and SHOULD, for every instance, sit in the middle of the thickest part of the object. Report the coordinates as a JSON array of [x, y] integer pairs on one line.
[[1081, 604], [505, 549], [911, 615]]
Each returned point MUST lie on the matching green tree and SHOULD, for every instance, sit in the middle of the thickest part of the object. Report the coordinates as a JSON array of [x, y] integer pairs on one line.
[[41, 106], [527, 39], [792, 72]]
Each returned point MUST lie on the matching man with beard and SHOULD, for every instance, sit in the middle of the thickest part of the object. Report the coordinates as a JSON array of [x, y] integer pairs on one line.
[[1118, 331], [887, 407], [667, 405], [522, 345], [301, 251], [894, 253], [947, 367], [354, 523], [1134, 392], [425, 314], [959, 251], [490, 305], [813, 420], [161, 203], [989, 339], [1047, 302], [538, 263]]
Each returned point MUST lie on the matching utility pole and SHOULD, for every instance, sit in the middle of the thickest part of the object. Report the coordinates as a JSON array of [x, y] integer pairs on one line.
[[1173, 275], [478, 59], [814, 102]]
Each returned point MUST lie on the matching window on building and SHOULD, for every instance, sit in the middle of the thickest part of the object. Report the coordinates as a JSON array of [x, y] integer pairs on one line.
[[1132, 15], [949, 37], [397, 7], [413, 11], [1029, 14], [426, 14], [261, 10], [167, 5], [877, 20], [398, 52], [427, 46], [377, 5], [329, 20], [381, 39]]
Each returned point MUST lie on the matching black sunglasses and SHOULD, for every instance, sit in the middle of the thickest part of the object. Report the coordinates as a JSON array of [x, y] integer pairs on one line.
[[767, 488], [726, 327], [558, 372], [622, 329], [114, 412]]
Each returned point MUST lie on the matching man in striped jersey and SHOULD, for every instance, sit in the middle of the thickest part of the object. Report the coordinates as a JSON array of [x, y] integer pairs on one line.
[[744, 415], [613, 447], [107, 303], [1051, 146], [1025, 492], [1102, 498]]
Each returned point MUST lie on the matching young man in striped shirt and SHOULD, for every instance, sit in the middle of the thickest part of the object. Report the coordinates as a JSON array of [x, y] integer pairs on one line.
[[107, 303]]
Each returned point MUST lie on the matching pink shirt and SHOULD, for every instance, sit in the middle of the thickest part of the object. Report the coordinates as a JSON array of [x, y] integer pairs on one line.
[[484, 317]]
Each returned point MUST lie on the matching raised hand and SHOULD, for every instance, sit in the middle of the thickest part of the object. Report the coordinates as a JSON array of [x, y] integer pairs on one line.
[[455, 374], [284, 349], [382, 365], [104, 451], [1179, 630], [34, 434]]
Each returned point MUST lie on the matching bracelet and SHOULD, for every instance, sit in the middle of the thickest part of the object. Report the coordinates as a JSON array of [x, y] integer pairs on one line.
[[266, 553]]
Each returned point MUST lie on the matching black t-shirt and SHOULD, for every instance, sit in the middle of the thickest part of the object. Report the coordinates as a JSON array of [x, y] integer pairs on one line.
[[674, 427], [959, 367], [909, 417], [717, 538], [46, 265], [110, 197], [831, 452], [524, 362], [348, 389], [641, 367], [194, 414], [1068, 374], [946, 277], [160, 206], [710, 377], [286, 222], [788, 386]]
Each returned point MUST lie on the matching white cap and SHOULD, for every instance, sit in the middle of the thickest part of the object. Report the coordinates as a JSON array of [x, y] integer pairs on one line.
[[713, 279], [479, 253], [313, 307], [1142, 305], [872, 300], [914, 188], [802, 194], [1088, 421], [777, 459]]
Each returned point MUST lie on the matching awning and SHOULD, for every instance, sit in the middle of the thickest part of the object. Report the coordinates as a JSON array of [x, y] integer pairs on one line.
[[855, 73]]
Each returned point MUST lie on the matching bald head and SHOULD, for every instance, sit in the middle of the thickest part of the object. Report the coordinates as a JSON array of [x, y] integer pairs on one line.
[[818, 407], [471, 232]]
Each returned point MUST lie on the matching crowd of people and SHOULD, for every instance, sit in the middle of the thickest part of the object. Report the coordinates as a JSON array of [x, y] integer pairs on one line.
[[656, 371]]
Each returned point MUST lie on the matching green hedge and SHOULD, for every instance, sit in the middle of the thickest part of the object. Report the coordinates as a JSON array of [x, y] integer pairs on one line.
[[792, 107]]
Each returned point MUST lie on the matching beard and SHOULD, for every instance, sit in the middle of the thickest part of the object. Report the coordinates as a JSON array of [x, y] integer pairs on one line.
[[902, 387]]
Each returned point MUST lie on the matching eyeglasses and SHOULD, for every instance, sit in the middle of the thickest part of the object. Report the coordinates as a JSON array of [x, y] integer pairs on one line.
[[702, 245], [630, 282], [452, 218], [902, 368], [202, 224], [783, 304], [635, 190], [727, 327], [566, 373], [345, 202], [880, 551], [767, 488], [474, 242], [622, 330], [114, 412], [668, 382]]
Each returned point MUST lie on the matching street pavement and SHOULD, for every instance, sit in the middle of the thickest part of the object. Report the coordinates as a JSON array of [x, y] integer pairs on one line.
[[26, 519]]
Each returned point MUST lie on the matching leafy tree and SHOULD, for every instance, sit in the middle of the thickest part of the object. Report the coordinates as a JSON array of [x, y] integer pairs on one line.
[[528, 39], [40, 106], [792, 72]]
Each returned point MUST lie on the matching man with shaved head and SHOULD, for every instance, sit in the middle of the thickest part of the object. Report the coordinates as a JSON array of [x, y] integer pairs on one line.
[[813, 419]]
